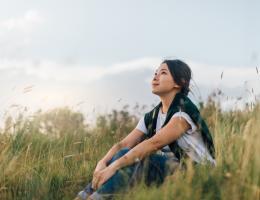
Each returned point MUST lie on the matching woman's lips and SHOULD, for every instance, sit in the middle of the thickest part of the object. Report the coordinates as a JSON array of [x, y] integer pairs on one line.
[[155, 84]]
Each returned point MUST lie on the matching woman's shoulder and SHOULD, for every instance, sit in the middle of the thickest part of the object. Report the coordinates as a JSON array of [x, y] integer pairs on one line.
[[189, 120]]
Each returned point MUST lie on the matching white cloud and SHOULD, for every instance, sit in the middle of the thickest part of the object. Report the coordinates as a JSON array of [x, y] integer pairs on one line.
[[50, 70], [204, 75], [17, 34], [55, 82], [232, 76], [25, 23]]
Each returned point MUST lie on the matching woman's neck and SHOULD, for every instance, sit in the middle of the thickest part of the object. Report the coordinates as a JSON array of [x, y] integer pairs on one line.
[[167, 100]]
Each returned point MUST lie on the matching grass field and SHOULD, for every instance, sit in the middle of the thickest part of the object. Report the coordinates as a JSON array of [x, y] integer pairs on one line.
[[52, 156]]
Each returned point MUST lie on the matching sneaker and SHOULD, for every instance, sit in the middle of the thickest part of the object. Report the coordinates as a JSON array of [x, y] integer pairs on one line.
[[84, 194]]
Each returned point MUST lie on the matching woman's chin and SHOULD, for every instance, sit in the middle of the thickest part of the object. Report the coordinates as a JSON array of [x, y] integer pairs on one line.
[[155, 92]]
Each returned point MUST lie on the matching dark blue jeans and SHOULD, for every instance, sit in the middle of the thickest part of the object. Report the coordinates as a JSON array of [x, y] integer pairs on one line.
[[153, 169]]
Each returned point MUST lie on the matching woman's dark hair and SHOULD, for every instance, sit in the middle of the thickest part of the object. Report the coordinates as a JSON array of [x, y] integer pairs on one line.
[[181, 74]]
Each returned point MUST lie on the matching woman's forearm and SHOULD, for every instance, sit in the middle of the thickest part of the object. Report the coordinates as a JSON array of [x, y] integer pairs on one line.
[[112, 151], [138, 153]]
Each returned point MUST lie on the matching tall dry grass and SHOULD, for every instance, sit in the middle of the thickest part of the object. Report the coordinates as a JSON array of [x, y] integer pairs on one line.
[[52, 156]]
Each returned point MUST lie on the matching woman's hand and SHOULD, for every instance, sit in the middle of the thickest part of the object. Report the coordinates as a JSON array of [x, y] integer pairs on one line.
[[102, 176], [101, 165]]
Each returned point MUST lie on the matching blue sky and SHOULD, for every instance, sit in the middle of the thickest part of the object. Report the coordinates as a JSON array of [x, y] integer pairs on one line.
[[68, 52]]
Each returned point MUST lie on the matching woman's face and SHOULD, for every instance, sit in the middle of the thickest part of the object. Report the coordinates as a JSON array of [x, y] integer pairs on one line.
[[162, 82]]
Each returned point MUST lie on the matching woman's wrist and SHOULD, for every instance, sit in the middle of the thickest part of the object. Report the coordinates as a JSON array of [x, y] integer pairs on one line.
[[123, 161], [116, 165]]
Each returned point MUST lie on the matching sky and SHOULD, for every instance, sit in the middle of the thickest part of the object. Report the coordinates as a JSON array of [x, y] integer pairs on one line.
[[94, 56]]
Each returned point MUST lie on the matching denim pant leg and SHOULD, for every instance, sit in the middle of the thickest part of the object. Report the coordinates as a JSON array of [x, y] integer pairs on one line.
[[153, 168], [120, 179], [156, 169]]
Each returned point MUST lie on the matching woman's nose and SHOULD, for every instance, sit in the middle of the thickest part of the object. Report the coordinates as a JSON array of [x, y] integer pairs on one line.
[[155, 76]]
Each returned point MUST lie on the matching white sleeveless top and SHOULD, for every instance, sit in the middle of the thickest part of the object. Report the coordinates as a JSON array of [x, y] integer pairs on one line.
[[190, 142]]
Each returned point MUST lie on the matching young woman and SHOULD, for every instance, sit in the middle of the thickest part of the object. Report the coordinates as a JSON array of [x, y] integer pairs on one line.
[[170, 133]]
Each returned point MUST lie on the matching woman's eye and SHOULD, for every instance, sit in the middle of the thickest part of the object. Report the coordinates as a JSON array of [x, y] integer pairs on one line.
[[161, 73]]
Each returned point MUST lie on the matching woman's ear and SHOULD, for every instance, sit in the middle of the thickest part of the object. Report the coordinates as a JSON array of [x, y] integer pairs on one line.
[[177, 86]]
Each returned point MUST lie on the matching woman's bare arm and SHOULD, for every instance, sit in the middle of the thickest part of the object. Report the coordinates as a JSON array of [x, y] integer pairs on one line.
[[169, 133], [166, 135], [133, 138]]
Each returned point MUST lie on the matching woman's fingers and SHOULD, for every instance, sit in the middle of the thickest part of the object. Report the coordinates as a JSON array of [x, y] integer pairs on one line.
[[96, 174], [95, 180], [102, 176], [100, 182], [94, 184]]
